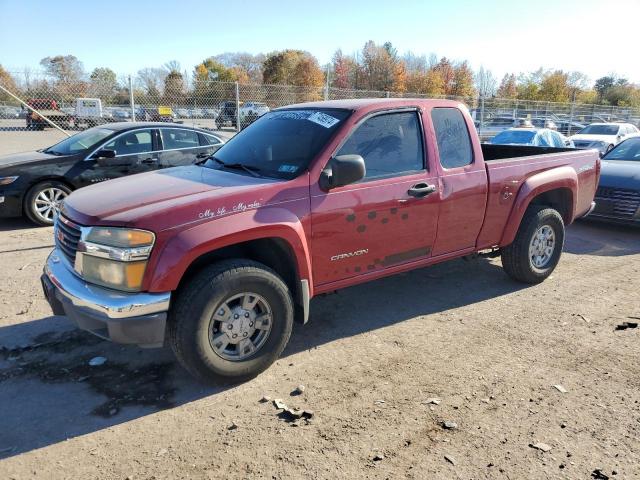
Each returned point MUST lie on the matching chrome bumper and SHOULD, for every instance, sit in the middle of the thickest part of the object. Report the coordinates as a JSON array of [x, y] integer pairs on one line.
[[138, 318]]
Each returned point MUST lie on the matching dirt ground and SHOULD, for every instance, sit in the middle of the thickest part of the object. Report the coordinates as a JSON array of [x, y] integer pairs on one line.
[[371, 359]]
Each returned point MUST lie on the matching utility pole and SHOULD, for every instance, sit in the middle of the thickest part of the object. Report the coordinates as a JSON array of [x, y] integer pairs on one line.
[[133, 107], [326, 87]]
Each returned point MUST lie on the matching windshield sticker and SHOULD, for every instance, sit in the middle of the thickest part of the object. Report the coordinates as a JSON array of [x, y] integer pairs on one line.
[[291, 115], [327, 121], [287, 168], [220, 211]]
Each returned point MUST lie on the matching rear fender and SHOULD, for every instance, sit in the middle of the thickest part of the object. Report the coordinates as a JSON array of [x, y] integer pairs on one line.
[[557, 178], [183, 248]]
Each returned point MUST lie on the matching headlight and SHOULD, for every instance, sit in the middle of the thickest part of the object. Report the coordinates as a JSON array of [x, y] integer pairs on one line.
[[7, 180], [120, 237], [114, 257]]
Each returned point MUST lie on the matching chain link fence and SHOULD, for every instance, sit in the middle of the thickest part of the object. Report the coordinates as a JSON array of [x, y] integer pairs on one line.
[[217, 105]]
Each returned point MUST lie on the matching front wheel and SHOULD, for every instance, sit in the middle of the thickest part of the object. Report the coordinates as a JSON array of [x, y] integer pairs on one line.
[[43, 201], [231, 321], [536, 250]]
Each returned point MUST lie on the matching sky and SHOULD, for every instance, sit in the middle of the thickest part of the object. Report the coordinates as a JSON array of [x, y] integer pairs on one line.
[[592, 36]]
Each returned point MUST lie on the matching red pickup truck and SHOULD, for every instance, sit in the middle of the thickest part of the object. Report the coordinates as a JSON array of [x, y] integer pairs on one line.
[[218, 259]]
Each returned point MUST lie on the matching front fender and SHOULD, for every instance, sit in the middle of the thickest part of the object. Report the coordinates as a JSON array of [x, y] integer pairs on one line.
[[557, 178], [183, 248]]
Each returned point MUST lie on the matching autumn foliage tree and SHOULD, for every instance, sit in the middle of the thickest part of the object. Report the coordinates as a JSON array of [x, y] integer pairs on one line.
[[7, 81], [292, 67], [429, 82], [508, 87], [344, 71]]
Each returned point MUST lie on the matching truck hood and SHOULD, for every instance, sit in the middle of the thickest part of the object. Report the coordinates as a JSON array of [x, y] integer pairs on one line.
[[620, 174], [172, 197], [595, 138], [24, 158]]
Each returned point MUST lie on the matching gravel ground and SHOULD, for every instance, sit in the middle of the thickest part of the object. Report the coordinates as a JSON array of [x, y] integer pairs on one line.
[[371, 358]]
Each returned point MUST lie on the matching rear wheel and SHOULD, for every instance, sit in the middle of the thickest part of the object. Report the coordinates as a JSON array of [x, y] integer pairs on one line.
[[43, 201], [536, 250], [231, 321]]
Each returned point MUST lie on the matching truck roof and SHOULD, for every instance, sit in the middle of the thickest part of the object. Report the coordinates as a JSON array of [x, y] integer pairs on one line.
[[372, 103]]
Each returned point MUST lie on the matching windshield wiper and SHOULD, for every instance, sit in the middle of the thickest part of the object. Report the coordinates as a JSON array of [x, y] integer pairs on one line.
[[247, 168]]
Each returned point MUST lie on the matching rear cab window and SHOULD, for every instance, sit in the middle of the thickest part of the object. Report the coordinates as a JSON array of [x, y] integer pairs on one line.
[[452, 137]]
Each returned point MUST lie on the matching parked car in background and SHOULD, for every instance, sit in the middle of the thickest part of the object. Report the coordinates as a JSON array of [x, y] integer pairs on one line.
[[211, 113], [538, 137], [182, 113], [227, 114], [121, 114], [251, 111], [8, 112], [567, 127], [156, 114], [35, 183], [604, 136], [492, 126], [618, 194]]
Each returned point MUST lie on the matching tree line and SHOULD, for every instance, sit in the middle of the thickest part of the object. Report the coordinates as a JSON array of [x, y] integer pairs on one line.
[[375, 67]]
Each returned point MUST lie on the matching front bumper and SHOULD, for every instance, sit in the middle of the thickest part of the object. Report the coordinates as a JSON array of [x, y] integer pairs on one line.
[[134, 318]]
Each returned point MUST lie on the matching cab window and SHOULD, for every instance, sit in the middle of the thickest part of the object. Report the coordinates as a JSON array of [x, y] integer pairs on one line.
[[452, 137], [390, 144]]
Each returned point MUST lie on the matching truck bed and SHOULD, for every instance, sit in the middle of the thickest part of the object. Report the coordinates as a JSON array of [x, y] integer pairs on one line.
[[492, 153], [510, 166]]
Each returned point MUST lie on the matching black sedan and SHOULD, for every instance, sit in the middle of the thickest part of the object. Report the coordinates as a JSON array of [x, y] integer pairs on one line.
[[34, 183], [618, 195]]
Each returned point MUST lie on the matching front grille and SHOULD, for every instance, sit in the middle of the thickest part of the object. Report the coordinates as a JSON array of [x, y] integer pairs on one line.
[[67, 236], [617, 201]]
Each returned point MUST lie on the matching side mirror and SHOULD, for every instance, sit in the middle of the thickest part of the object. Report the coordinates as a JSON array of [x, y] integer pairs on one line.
[[342, 170], [105, 153]]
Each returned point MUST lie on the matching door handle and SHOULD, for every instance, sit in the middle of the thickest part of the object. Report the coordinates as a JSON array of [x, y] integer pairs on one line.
[[150, 160], [420, 190]]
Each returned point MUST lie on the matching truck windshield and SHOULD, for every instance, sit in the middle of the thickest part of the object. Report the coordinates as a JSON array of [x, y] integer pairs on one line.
[[281, 143], [520, 137], [79, 142]]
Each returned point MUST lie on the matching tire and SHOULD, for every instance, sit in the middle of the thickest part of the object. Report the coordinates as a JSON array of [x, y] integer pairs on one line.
[[541, 230], [193, 325], [39, 195]]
